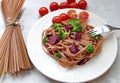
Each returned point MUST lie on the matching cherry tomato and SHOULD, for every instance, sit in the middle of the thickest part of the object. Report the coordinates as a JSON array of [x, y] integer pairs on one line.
[[73, 5], [83, 15], [64, 16], [56, 19], [64, 5], [54, 6], [71, 1], [72, 14], [82, 4], [43, 11]]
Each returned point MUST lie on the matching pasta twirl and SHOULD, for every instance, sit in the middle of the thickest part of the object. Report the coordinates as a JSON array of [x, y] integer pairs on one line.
[[69, 42]]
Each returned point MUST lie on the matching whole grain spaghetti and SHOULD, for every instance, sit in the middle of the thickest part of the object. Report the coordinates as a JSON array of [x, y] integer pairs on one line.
[[13, 53], [69, 42]]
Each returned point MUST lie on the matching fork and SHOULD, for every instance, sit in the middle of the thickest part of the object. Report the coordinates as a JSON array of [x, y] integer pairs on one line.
[[102, 29]]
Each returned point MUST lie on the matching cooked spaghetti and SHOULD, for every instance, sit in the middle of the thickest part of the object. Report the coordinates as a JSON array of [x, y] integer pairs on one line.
[[69, 42]]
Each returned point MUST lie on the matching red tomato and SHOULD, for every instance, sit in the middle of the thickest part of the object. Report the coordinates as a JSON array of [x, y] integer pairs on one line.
[[73, 5], [56, 19], [64, 5], [82, 4], [43, 11], [54, 6], [71, 1], [83, 15], [72, 14], [64, 16]]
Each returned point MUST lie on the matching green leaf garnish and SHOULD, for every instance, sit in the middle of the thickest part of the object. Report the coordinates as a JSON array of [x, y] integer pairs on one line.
[[57, 25], [89, 48], [58, 55], [46, 39]]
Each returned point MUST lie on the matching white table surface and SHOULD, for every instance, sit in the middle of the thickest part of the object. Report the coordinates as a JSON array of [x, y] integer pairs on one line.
[[109, 10]]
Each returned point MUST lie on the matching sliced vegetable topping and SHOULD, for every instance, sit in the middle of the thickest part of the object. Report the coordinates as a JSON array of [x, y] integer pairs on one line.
[[89, 48], [69, 27], [62, 34], [46, 39], [50, 51], [74, 49], [77, 28], [58, 55], [78, 35], [73, 22], [76, 25], [53, 39], [57, 25], [83, 61], [96, 37]]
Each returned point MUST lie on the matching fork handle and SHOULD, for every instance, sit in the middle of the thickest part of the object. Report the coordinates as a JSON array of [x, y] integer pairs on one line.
[[112, 28]]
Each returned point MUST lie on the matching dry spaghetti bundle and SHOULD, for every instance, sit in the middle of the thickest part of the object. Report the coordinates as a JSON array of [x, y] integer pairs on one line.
[[13, 53]]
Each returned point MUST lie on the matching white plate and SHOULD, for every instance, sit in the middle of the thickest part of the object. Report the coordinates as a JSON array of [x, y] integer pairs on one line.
[[49, 67]]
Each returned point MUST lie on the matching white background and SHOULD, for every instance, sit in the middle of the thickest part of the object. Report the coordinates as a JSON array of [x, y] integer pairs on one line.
[[109, 10]]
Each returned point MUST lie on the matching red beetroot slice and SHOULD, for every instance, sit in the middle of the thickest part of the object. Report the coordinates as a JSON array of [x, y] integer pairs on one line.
[[68, 27], [74, 49], [78, 35], [83, 61], [53, 39], [50, 51]]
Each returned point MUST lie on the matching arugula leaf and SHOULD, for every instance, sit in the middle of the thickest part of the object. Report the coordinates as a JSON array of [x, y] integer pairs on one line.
[[89, 48]]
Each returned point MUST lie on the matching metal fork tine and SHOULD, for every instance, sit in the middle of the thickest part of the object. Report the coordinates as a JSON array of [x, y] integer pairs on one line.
[[92, 32], [102, 29]]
